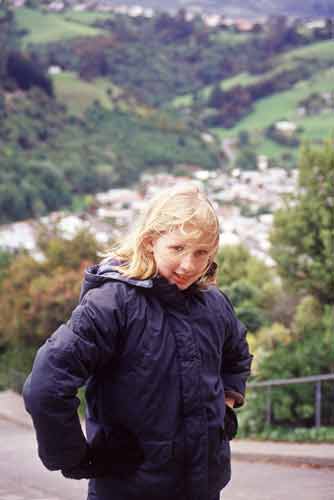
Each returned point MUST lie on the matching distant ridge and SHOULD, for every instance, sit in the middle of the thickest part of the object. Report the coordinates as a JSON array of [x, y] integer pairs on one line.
[[244, 8]]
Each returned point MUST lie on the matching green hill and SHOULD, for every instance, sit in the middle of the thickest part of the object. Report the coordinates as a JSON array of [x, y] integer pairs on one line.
[[310, 70], [50, 156], [135, 95], [78, 95], [286, 105], [45, 27]]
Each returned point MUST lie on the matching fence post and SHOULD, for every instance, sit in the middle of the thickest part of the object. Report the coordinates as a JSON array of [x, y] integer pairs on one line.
[[312, 379], [268, 419], [318, 404]]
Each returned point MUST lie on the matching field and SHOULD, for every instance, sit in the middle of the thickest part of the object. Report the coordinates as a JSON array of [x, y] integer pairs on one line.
[[284, 106], [47, 27], [86, 17], [78, 94], [229, 38], [264, 146], [321, 51], [240, 79]]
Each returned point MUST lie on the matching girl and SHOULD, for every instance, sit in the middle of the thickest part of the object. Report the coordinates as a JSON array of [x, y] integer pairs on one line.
[[164, 359]]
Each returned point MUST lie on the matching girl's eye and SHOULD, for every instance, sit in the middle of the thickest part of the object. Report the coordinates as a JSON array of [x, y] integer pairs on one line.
[[178, 248], [201, 253]]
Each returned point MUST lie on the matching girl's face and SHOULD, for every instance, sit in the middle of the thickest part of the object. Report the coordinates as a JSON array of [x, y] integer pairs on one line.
[[179, 258]]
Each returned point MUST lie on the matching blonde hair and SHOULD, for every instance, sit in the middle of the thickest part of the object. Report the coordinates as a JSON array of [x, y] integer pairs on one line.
[[170, 209]]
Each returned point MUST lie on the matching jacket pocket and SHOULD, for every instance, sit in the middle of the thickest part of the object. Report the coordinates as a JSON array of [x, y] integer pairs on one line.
[[122, 450], [90, 467]]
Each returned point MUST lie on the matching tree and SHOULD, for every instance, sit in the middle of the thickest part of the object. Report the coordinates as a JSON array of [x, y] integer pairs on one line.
[[30, 189], [7, 36], [5, 260], [236, 263], [246, 279], [36, 297], [305, 349], [32, 4], [217, 97], [247, 300], [277, 27], [303, 231], [246, 159], [27, 73], [251, 316], [243, 138], [69, 254], [241, 291]]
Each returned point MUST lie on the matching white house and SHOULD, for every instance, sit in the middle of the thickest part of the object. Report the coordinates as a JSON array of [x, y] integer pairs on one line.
[[56, 6], [286, 127], [54, 70]]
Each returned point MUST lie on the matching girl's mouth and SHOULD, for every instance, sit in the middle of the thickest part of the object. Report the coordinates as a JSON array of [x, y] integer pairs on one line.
[[180, 278]]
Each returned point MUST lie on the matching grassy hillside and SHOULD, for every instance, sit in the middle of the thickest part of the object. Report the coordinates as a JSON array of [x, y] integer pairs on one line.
[[320, 51], [78, 95], [48, 157], [282, 105], [86, 17], [285, 106], [44, 27], [154, 59]]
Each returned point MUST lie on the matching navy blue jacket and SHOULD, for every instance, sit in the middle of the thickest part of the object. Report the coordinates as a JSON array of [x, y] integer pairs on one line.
[[157, 363]]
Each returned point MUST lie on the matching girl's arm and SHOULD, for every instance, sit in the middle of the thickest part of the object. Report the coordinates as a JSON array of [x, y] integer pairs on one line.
[[236, 360], [62, 365]]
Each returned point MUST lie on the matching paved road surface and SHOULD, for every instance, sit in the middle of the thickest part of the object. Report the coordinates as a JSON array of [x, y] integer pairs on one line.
[[23, 478], [256, 481]]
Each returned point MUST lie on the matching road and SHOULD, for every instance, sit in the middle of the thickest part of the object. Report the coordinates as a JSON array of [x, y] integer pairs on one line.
[[22, 477]]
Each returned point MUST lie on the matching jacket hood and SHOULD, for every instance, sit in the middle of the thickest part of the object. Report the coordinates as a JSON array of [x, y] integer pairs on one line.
[[99, 274]]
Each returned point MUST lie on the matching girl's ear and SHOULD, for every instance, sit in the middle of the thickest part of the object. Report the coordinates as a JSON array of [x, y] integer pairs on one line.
[[148, 244]]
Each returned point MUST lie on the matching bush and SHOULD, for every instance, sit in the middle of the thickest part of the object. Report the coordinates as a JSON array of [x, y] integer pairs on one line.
[[15, 365], [36, 297], [298, 434], [27, 73]]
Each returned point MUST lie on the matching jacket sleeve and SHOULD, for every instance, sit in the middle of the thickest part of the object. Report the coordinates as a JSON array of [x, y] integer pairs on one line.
[[236, 359], [62, 365]]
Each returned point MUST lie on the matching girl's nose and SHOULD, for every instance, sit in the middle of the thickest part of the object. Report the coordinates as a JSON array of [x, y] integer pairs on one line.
[[187, 264]]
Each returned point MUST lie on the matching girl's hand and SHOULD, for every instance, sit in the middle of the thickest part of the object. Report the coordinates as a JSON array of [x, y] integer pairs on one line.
[[89, 468], [230, 402], [230, 422]]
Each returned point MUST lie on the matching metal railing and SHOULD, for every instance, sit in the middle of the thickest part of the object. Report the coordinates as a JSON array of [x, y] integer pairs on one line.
[[15, 379], [316, 379]]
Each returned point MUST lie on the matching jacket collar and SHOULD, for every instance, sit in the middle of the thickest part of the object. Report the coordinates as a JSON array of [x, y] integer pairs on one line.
[[158, 286]]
